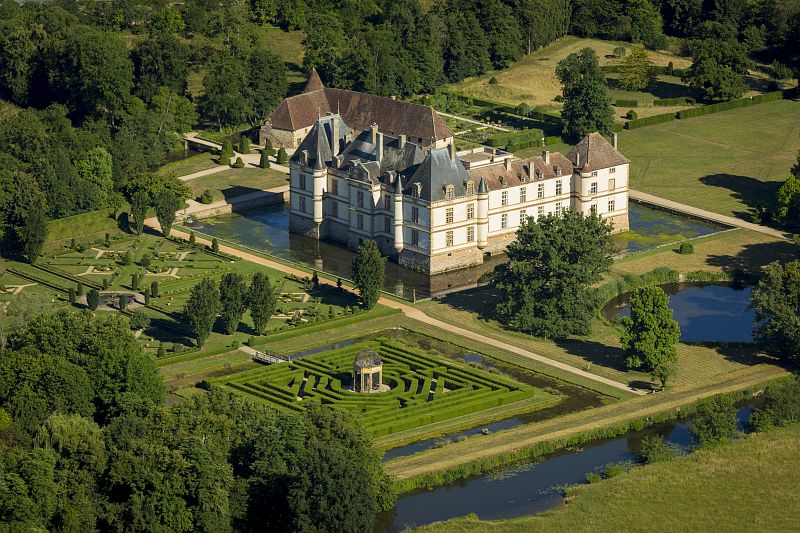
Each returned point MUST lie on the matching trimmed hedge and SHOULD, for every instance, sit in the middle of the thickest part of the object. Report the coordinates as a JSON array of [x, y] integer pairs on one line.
[[733, 104], [649, 121], [627, 103], [674, 101]]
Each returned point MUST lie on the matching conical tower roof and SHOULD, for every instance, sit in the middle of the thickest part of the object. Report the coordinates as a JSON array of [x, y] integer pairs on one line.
[[314, 82]]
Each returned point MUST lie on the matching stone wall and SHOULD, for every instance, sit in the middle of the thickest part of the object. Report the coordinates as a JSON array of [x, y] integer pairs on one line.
[[217, 208], [303, 226]]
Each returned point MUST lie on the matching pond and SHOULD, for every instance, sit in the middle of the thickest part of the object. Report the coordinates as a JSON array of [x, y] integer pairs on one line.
[[528, 488], [705, 312], [266, 229]]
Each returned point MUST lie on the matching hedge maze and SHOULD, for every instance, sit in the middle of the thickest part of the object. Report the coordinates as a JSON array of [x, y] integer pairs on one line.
[[424, 389]]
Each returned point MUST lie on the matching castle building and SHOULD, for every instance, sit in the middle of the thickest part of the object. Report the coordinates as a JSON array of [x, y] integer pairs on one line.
[[293, 119], [434, 209]]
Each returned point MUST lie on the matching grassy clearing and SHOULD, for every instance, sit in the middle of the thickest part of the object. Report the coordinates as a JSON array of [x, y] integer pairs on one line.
[[190, 165], [728, 162], [532, 79], [747, 485], [237, 181], [84, 224]]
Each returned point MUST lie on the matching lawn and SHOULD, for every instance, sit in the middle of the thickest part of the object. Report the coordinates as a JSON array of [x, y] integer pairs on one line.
[[532, 79], [190, 165], [728, 162], [750, 484], [423, 389], [237, 181]]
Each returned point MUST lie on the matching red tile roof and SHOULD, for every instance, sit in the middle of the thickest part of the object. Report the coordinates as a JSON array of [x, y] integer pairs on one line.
[[595, 153]]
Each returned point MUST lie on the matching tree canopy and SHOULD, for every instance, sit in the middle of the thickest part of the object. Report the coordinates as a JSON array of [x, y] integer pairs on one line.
[[776, 300], [368, 273], [201, 310], [587, 106]]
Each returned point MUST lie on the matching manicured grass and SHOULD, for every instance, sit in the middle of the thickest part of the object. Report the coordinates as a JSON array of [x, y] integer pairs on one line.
[[92, 222], [190, 165], [424, 389], [728, 162], [746, 485], [532, 79], [235, 182]]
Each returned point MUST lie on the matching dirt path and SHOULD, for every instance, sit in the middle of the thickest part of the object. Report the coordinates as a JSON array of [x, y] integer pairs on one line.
[[529, 435], [416, 314]]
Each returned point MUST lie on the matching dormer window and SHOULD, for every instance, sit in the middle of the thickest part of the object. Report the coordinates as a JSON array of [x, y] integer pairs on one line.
[[416, 190], [558, 171], [470, 187], [449, 192]]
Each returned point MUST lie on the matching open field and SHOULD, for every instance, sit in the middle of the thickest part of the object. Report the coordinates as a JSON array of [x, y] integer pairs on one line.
[[532, 79], [751, 484], [423, 389], [728, 162], [237, 181]]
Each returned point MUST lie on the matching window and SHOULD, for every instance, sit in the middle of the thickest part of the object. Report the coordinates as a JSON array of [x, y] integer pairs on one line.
[[360, 221], [558, 187], [302, 204], [360, 198], [470, 212], [387, 225], [334, 186], [471, 234], [522, 216], [540, 191], [416, 189], [558, 208], [415, 215], [558, 171], [540, 211], [448, 215], [448, 237], [504, 198], [593, 188], [504, 221], [593, 209], [470, 188], [594, 173], [612, 170], [335, 208], [523, 195], [612, 184], [387, 202], [449, 193], [303, 181], [611, 206], [414, 237]]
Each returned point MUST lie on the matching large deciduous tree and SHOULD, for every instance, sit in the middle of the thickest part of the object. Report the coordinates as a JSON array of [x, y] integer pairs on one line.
[[587, 106], [167, 203], [788, 209], [160, 61], [776, 300], [368, 271], [261, 299], [719, 62], [636, 70], [232, 295], [140, 203], [651, 333], [225, 91], [546, 284], [201, 310]]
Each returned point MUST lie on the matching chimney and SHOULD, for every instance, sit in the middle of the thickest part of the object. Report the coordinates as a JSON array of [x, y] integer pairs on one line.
[[453, 152], [374, 129], [578, 159], [335, 135], [507, 163], [546, 157], [403, 140], [614, 140], [380, 147]]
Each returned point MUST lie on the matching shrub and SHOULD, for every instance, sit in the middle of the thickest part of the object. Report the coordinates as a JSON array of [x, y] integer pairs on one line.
[[686, 248], [192, 240], [627, 103], [161, 350], [781, 406], [154, 289], [282, 157], [654, 449], [235, 344], [207, 197], [620, 51], [715, 421], [72, 296], [315, 279], [631, 115], [657, 42], [123, 302], [146, 293], [264, 161], [79, 290], [779, 71], [239, 163], [612, 470], [135, 281], [139, 319], [593, 477], [250, 341], [93, 298], [649, 121], [105, 284], [215, 245], [127, 259], [107, 241], [558, 98], [226, 153], [681, 100], [244, 145], [670, 69], [145, 261], [492, 81]]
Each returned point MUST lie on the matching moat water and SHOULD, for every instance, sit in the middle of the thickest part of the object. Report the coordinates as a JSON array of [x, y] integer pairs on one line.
[[705, 312], [266, 229]]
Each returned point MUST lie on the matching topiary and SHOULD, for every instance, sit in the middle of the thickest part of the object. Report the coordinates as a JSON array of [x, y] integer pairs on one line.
[[72, 296], [492, 81], [215, 245], [244, 145], [558, 98], [127, 259], [264, 161], [123, 302], [239, 163], [192, 238], [93, 298], [154, 289], [225, 153], [207, 197], [79, 290], [686, 248], [283, 157], [631, 115]]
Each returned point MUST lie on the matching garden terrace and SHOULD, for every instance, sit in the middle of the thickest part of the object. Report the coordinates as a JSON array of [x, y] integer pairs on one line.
[[423, 389]]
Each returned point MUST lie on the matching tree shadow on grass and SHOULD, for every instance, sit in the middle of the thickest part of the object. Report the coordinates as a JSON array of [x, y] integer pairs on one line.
[[479, 300], [595, 353], [751, 192], [753, 257]]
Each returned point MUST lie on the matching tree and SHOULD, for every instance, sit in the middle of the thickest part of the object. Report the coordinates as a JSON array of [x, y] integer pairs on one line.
[[214, 245], [140, 203], [650, 333], [261, 299], [646, 24], [167, 203], [33, 233], [226, 153], [325, 47], [719, 62], [244, 145], [267, 84], [714, 421], [232, 295], [71, 294], [776, 300], [788, 210], [160, 61], [201, 310], [636, 71], [95, 168], [139, 319], [546, 284], [282, 157], [154, 289], [587, 106], [225, 91], [368, 273]]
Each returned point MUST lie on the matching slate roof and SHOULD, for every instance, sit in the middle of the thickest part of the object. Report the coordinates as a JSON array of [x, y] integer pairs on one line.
[[367, 358], [434, 173], [497, 176], [401, 160], [314, 82], [595, 153], [318, 142], [359, 110]]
